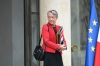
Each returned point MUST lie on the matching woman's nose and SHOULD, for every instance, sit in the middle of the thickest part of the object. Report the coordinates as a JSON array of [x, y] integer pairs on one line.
[[51, 19]]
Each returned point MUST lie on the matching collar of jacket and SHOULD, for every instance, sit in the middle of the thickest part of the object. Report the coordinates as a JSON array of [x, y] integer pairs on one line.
[[57, 26], [49, 24]]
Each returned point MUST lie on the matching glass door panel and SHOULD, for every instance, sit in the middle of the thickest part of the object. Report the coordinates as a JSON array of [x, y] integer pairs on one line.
[[35, 28], [78, 32]]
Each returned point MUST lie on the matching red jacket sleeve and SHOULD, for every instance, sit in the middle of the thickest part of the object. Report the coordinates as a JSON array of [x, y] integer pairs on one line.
[[46, 40]]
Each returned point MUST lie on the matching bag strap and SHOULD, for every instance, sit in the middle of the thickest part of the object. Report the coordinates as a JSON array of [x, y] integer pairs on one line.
[[40, 39]]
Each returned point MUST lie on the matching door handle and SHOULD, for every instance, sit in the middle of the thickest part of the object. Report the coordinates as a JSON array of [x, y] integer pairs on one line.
[[74, 48]]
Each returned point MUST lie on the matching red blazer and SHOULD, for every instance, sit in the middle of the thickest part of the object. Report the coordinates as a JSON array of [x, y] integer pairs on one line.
[[49, 38]]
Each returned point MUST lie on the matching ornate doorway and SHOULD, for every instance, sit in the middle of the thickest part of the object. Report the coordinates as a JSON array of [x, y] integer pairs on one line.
[[80, 11]]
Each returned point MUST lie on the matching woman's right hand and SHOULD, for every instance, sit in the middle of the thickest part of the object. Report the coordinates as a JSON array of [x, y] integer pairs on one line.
[[62, 47]]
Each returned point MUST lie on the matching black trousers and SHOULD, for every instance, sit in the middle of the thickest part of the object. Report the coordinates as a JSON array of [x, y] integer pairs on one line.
[[53, 59]]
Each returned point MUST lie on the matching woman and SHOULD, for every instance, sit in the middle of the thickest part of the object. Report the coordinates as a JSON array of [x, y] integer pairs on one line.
[[53, 49]]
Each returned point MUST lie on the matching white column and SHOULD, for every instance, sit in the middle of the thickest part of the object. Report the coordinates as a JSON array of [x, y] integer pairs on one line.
[[64, 19]]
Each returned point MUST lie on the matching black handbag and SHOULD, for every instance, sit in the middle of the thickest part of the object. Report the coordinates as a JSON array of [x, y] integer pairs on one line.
[[39, 52]]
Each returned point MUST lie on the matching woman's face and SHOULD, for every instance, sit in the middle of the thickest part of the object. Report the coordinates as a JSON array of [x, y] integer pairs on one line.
[[52, 19]]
